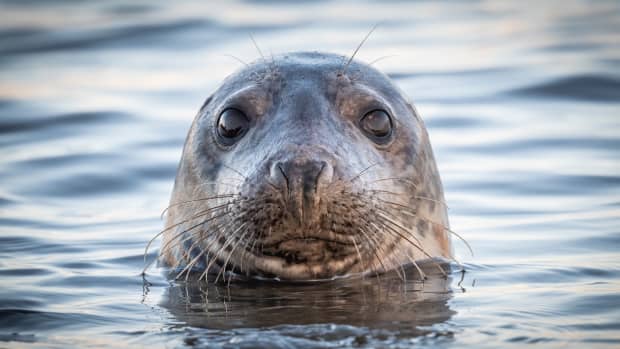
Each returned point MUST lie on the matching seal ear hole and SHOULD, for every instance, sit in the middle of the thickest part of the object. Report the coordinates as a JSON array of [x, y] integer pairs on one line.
[[232, 124], [377, 124]]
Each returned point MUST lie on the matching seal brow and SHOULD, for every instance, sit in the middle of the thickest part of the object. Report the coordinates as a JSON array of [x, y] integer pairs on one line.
[[344, 69]]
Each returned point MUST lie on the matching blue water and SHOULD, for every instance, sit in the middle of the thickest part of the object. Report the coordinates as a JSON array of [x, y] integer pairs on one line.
[[522, 102]]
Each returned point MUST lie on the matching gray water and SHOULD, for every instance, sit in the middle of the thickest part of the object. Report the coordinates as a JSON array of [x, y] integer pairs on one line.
[[522, 102]]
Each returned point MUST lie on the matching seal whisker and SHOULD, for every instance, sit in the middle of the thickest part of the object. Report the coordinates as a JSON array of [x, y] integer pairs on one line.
[[203, 235], [344, 69], [381, 58], [236, 244], [382, 215], [471, 251], [366, 197], [410, 257], [376, 243], [372, 247], [251, 251], [246, 251], [379, 243], [237, 59], [217, 253], [260, 52], [383, 219], [236, 171], [406, 233], [236, 186], [200, 214], [381, 191], [174, 242], [221, 196], [363, 171], [188, 266], [215, 235], [187, 253], [417, 245], [359, 254], [400, 179]]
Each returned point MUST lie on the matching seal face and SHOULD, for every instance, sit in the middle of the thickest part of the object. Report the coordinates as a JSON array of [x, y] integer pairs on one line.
[[297, 170]]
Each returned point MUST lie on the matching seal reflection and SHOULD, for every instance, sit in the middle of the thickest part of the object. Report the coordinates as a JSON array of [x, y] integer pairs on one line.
[[385, 301]]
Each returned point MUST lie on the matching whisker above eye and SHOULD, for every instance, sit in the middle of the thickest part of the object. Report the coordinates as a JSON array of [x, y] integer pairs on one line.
[[346, 66], [237, 59]]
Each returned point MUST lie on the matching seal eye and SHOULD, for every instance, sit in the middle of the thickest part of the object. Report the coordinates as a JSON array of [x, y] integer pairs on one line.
[[231, 125], [377, 124]]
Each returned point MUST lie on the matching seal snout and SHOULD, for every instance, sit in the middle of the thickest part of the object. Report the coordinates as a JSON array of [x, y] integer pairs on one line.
[[302, 182]]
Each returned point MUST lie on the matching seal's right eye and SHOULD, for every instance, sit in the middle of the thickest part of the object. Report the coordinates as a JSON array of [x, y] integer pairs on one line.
[[232, 125], [377, 124]]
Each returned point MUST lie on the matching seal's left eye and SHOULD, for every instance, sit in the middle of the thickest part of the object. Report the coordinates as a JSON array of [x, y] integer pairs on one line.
[[377, 124], [231, 125]]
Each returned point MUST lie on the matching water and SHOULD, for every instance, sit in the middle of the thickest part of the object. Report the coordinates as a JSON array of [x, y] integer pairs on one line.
[[522, 102]]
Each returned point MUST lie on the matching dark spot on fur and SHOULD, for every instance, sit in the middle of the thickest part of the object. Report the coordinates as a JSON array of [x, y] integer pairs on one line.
[[422, 227]]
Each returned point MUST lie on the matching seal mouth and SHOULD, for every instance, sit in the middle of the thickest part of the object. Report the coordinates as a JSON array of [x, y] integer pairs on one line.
[[308, 250]]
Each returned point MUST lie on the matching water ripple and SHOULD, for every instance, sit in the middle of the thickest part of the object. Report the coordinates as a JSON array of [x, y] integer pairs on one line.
[[48, 122], [581, 87]]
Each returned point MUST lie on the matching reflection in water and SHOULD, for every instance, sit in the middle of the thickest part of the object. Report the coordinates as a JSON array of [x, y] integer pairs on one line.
[[385, 301]]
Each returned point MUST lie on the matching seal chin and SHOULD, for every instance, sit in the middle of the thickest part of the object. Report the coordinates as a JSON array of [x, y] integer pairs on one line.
[[281, 268], [307, 258], [309, 250]]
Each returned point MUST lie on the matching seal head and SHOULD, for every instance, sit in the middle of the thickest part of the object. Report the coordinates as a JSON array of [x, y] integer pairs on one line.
[[297, 170]]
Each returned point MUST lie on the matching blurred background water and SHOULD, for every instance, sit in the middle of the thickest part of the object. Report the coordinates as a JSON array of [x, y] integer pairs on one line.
[[522, 102]]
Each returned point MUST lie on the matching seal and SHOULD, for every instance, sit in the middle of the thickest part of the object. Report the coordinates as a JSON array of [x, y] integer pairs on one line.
[[305, 166]]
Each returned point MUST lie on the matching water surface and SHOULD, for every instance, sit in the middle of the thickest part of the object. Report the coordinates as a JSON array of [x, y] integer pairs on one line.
[[522, 102]]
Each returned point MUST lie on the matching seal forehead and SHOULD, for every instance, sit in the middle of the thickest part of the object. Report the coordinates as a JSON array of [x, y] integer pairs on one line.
[[308, 66]]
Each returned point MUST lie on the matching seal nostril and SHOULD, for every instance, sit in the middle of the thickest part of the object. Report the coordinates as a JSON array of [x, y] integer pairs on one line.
[[285, 177], [318, 175], [301, 181]]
